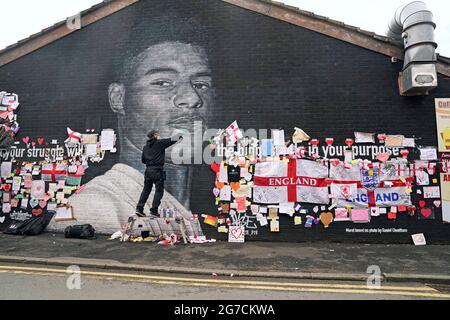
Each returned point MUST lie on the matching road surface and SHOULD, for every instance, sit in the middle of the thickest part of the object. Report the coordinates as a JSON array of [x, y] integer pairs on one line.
[[24, 281]]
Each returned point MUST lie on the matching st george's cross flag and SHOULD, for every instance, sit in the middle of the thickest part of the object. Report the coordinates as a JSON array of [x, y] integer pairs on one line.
[[234, 133], [380, 186], [295, 180]]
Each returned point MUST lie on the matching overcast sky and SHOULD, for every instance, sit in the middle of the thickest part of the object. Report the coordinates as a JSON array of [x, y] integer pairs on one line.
[[32, 16]]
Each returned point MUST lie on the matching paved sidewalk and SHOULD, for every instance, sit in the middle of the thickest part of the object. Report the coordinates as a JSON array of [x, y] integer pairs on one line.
[[318, 260]]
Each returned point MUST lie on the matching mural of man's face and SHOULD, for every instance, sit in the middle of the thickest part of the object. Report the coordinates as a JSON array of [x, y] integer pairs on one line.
[[170, 89]]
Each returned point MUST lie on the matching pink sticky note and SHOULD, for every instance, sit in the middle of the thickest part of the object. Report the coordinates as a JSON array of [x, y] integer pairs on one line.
[[241, 205], [80, 171], [392, 215], [341, 214], [360, 215]]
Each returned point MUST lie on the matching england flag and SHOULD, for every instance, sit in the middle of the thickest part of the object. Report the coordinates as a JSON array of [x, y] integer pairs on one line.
[[291, 181]]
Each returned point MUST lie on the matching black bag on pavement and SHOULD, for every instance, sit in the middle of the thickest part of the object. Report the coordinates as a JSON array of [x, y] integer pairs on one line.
[[85, 231], [14, 227], [31, 227]]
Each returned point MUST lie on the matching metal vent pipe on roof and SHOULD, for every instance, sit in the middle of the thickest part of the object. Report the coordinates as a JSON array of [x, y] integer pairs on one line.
[[413, 25]]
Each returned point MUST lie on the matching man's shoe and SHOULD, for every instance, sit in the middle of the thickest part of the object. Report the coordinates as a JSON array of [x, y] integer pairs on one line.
[[140, 214], [155, 213]]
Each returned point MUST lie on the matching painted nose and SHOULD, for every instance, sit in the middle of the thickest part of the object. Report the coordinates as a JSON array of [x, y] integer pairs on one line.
[[188, 98]]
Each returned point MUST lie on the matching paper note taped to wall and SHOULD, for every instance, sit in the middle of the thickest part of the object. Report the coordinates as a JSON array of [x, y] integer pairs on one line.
[[409, 143], [267, 147], [432, 192], [428, 153], [394, 141], [278, 137], [364, 137], [236, 234], [107, 140], [6, 168]]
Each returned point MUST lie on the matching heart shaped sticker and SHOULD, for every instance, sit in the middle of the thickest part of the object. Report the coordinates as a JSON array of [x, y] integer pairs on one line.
[[235, 186], [326, 218], [422, 203], [42, 203], [215, 167], [383, 157], [426, 212], [36, 212], [437, 203], [34, 203], [335, 162], [219, 185]]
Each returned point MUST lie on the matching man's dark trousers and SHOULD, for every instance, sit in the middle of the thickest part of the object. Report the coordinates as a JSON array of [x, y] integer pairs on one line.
[[152, 176]]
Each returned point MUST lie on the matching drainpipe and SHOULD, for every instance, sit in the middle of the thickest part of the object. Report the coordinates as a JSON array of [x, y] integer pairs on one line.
[[413, 25]]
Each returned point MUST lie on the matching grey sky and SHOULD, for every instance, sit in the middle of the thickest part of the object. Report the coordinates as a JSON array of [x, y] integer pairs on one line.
[[32, 16]]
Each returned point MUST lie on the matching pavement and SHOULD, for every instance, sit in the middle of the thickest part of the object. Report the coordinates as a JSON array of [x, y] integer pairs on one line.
[[317, 260]]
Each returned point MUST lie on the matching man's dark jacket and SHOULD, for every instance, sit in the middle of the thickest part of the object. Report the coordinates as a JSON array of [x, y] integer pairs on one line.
[[154, 153]]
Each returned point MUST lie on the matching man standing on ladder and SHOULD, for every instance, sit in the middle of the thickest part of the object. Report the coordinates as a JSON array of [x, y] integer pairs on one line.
[[153, 156]]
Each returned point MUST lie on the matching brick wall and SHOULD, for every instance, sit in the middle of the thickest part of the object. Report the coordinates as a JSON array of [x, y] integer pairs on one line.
[[267, 74]]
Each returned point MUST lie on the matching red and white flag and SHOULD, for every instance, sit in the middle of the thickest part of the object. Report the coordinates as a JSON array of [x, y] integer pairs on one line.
[[73, 137], [390, 190], [294, 181], [54, 172], [234, 133]]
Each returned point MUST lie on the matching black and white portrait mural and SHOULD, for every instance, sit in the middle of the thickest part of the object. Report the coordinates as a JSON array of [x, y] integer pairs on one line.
[[165, 84], [187, 67]]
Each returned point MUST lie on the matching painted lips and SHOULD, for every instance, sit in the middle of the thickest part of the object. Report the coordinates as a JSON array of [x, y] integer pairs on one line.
[[187, 123]]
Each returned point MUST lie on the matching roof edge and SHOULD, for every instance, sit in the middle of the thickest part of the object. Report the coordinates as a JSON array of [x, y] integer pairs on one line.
[[60, 30], [332, 28], [276, 10]]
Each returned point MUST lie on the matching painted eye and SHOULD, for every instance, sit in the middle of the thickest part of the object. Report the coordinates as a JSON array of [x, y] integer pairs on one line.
[[162, 83], [201, 85]]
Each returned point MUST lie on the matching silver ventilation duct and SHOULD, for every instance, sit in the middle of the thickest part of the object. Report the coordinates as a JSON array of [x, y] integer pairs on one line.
[[413, 25]]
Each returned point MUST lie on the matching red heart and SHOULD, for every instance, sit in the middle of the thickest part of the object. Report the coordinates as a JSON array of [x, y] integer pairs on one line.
[[404, 153], [6, 187], [335, 162], [26, 140], [36, 212], [215, 167], [422, 203], [426, 212], [40, 141], [236, 233], [349, 142]]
